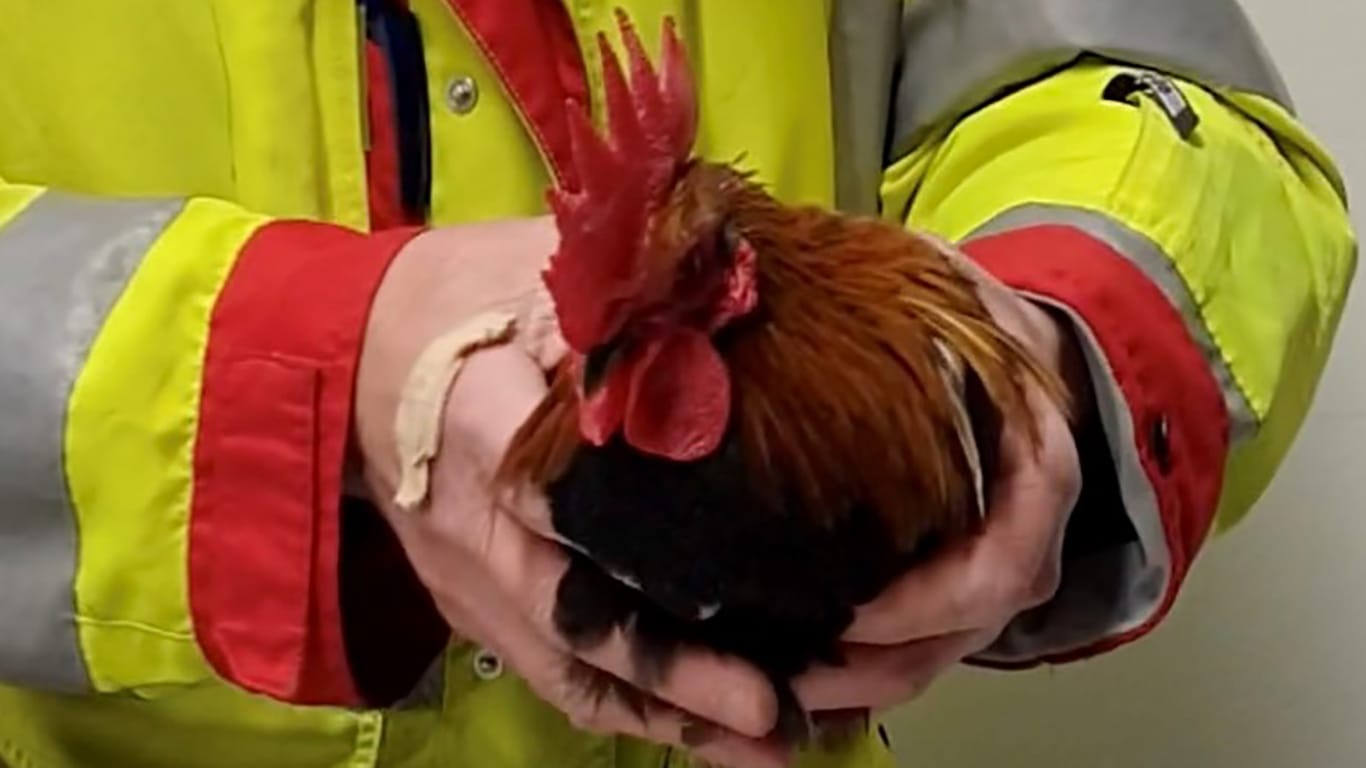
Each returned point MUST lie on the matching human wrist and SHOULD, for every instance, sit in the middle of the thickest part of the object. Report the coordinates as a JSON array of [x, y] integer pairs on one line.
[[440, 281]]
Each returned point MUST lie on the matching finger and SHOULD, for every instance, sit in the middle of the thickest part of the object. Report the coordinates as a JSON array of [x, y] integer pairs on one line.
[[720, 689], [529, 568], [985, 580], [879, 677], [491, 400], [547, 670]]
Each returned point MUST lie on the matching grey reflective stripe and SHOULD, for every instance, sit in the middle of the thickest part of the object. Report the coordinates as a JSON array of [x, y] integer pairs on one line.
[[64, 260], [864, 46], [1148, 257], [958, 53], [1108, 593]]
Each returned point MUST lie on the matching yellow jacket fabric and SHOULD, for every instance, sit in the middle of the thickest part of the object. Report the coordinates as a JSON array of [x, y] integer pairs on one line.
[[198, 199]]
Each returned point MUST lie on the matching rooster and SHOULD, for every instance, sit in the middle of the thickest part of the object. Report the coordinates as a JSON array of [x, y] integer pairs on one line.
[[767, 413]]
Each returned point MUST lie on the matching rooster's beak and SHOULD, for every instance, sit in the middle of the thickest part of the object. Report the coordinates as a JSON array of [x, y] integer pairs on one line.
[[598, 363]]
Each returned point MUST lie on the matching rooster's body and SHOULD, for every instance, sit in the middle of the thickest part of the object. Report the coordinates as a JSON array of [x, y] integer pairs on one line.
[[764, 419]]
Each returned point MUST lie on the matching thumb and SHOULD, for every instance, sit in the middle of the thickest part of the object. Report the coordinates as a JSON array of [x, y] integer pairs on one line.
[[494, 396], [468, 384]]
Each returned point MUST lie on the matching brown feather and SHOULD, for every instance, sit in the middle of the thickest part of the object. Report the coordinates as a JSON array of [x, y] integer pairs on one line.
[[839, 390]]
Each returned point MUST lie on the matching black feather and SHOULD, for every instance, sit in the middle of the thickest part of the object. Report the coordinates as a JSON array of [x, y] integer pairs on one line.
[[694, 538]]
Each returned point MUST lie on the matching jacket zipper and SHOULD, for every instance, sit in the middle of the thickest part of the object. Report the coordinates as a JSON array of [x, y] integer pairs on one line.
[[1161, 91]]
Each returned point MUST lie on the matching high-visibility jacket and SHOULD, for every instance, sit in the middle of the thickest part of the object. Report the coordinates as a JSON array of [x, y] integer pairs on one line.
[[198, 199]]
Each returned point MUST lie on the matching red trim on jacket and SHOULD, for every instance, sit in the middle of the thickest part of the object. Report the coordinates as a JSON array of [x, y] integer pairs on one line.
[[1161, 373], [274, 421], [532, 47]]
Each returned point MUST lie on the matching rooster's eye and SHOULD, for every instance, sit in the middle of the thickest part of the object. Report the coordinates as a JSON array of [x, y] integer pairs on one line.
[[716, 253], [692, 266], [729, 240]]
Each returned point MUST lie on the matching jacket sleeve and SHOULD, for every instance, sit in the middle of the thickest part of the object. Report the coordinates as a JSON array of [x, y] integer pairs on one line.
[[176, 381], [1204, 269]]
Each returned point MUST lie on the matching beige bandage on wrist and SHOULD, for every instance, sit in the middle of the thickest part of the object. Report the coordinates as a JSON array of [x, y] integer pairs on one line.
[[420, 419]]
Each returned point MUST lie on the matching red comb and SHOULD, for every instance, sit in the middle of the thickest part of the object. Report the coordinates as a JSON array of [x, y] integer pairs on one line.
[[652, 122]]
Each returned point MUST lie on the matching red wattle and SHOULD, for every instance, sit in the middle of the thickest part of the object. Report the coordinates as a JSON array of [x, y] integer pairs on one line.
[[679, 402]]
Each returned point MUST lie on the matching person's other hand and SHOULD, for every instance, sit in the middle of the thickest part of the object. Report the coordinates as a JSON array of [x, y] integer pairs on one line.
[[957, 603], [492, 568]]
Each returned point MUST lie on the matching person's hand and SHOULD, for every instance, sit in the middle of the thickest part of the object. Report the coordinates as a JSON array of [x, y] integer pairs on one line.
[[493, 569], [958, 603]]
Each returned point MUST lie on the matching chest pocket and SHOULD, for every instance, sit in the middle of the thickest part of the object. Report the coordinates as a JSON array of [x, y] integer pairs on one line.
[[253, 101], [114, 98]]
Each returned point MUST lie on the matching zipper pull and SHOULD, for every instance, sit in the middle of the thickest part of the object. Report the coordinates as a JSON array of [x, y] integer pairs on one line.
[[1162, 91]]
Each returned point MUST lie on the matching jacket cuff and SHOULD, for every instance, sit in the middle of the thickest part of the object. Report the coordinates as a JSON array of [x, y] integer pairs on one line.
[[275, 416], [1153, 459]]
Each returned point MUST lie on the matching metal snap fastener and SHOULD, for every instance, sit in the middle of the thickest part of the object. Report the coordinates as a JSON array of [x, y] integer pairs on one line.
[[487, 665], [462, 94]]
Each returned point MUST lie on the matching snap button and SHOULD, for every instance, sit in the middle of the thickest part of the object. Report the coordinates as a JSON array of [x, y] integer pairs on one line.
[[462, 94], [487, 665]]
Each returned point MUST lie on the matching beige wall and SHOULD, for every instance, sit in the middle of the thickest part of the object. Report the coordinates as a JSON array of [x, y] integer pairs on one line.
[[1263, 664]]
